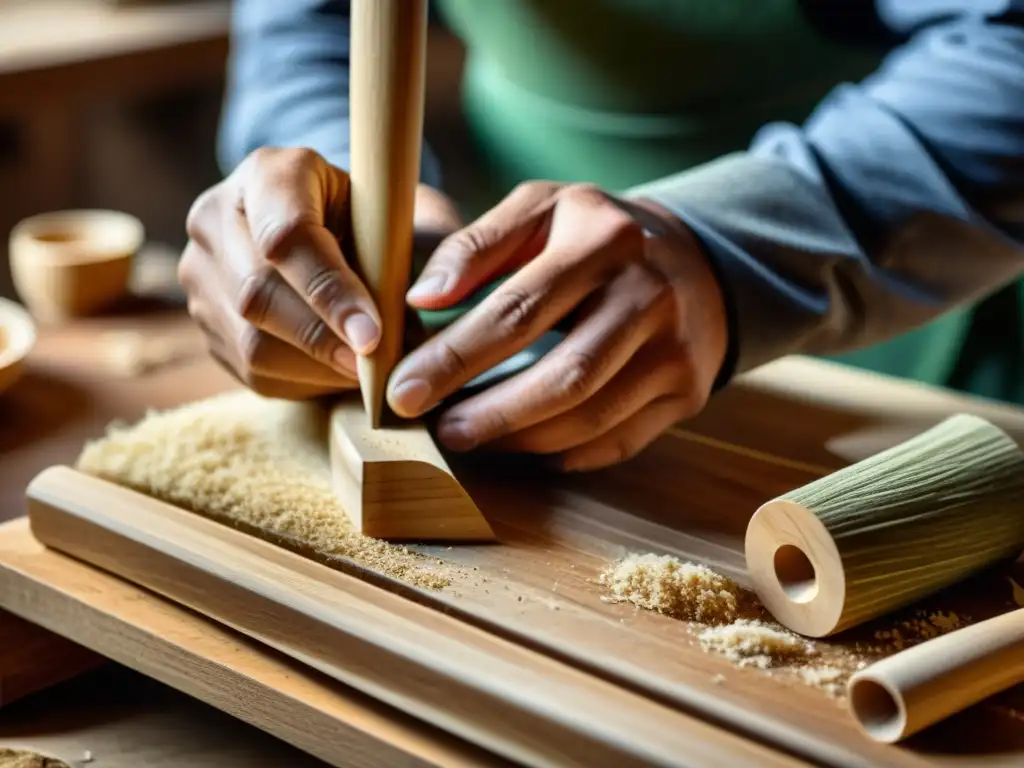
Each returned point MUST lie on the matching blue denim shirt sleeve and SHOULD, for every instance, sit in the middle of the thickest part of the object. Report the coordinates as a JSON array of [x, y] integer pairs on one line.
[[288, 78], [900, 197]]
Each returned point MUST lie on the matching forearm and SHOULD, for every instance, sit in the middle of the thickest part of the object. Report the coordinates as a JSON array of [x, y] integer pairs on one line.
[[890, 206], [288, 80]]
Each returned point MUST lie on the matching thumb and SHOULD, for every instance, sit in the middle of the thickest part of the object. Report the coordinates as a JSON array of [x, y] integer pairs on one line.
[[504, 238]]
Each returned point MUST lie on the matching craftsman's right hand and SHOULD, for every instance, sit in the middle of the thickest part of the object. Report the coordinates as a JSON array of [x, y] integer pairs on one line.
[[267, 281]]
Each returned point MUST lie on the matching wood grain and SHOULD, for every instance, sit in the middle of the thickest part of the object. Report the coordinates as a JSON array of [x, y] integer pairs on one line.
[[388, 70], [394, 483], [516, 703], [205, 659]]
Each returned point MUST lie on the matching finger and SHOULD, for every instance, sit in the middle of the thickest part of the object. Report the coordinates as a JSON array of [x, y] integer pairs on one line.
[[269, 357], [508, 235], [629, 438], [586, 241], [285, 205], [628, 312], [259, 351], [647, 377], [264, 299]]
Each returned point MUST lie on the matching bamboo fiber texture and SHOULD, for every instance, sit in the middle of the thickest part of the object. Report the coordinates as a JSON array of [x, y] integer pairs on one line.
[[891, 529]]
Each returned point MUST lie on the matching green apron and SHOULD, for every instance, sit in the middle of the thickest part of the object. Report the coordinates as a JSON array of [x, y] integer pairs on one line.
[[620, 92]]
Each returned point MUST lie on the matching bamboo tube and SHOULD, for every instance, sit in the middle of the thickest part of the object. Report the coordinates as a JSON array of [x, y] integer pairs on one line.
[[905, 693], [389, 39], [887, 531]]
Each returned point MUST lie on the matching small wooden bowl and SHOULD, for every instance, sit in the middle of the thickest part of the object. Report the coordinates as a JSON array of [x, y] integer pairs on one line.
[[72, 263], [17, 337]]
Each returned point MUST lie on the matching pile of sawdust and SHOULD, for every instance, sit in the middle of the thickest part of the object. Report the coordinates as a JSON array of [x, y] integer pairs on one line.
[[261, 465], [753, 643], [728, 620], [18, 758], [681, 590]]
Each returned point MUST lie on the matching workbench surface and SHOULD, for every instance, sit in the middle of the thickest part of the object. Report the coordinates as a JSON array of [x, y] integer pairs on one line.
[[77, 383]]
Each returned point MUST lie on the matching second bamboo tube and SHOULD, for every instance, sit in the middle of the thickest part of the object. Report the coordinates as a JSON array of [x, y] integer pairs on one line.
[[889, 530]]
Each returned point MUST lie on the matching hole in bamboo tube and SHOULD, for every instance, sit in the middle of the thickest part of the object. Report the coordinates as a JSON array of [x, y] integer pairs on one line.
[[795, 573], [877, 710]]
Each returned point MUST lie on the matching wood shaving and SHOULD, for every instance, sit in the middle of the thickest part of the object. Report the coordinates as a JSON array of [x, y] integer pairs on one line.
[[681, 590], [19, 758], [729, 621], [752, 643], [258, 464]]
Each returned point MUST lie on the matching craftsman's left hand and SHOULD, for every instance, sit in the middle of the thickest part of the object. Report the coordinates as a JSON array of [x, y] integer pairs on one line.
[[647, 339]]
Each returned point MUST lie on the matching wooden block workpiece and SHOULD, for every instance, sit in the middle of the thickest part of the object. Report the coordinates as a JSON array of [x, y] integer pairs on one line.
[[394, 483]]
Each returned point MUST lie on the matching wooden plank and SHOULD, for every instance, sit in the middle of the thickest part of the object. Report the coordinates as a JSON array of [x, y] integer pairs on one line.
[[213, 663], [690, 495], [522, 705]]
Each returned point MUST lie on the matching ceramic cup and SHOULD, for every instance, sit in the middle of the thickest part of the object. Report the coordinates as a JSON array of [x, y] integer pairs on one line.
[[68, 264]]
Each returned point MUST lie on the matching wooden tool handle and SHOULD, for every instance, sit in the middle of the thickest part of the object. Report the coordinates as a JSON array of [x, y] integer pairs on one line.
[[388, 67], [907, 692]]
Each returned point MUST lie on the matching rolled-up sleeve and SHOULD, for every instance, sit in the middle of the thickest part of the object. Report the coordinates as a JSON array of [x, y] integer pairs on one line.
[[900, 198], [288, 81]]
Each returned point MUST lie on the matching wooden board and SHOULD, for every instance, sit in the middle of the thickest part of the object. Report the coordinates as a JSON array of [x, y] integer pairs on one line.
[[589, 714], [690, 495], [687, 496], [212, 663]]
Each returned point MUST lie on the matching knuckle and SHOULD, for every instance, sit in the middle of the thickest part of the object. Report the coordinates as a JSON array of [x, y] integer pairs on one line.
[[316, 339], [303, 157], [324, 289], [586, 192], [452, 361], [271, 235], [534, 188], [576, 376], [459, 247], [202, 208], [255, 295], [515, 312], [249, 343]]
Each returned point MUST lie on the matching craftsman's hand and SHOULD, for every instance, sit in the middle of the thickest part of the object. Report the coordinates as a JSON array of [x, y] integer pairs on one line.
[[267, 281], [648, 332]]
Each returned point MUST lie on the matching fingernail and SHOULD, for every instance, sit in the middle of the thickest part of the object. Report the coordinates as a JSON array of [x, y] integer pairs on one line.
[[455, 435], [361, 331], [427, 287], [345, 359], [410, 396]]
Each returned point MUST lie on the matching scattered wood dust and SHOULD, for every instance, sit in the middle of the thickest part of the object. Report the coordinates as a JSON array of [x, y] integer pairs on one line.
[[18, 758], [728, 620], [681, 590], [261, 465]]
